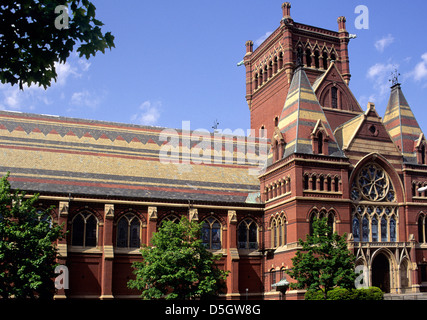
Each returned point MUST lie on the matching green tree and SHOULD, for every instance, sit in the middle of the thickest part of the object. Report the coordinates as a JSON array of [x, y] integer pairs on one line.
[[177, 265], [323, 262], [35, 35], [27, 251]]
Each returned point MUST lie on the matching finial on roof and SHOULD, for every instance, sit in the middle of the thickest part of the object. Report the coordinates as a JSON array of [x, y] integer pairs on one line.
[[394, 78], [215, 126]]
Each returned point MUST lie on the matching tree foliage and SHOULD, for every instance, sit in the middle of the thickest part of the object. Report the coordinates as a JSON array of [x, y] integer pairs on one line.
[[177, 265], [323, 261], [31, 44], [27, 253]]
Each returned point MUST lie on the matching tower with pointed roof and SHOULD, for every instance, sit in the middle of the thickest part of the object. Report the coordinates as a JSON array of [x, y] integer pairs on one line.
[[403, 127], [270, 67]]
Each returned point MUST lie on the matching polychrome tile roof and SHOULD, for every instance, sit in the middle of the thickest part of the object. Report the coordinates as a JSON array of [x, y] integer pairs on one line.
[[95, 158], [299, 116], [401, 124]]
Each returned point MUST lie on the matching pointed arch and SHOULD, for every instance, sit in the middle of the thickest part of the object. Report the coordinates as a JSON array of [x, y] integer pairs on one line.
[[211, 233], [247, 234], [388, 168], [84, 229], [278, 224], [128, 231]]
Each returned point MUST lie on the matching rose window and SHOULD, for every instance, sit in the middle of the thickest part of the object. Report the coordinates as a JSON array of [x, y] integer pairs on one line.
[[372, 184]]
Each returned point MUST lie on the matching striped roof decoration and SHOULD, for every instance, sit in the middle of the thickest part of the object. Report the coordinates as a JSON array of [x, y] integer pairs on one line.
[[401, 124], [60, 155], [300, 117]]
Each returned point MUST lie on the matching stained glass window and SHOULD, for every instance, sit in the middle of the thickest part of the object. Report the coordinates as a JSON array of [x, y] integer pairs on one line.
[[374, 229], [128, 232], [356, 229], [373, 185], [211, 233], [392, 229], [384, 236], [365, 229], [84, 230], [248, 234]]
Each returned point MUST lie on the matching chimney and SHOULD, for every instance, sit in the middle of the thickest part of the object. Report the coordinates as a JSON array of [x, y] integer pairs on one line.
[[286, 7], [249, 46], [341, 23]]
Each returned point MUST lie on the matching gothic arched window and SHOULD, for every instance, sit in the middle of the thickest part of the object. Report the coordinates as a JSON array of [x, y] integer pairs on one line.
[[84, 230], [375, 206], [128, 231], [278, 231], [330, 218], [248, 234], [211, 233]]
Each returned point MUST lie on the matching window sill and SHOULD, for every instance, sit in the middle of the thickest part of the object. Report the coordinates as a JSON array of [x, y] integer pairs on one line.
[[127, 250], [89, 250], [249, 252]]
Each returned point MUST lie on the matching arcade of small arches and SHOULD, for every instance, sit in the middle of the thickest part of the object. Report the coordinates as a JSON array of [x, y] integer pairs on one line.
[[313, 57], [265, 72], [308, 55], [278, 188], [321, 182]]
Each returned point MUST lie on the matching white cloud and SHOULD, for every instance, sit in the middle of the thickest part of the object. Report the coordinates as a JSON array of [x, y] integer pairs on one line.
[[85, 99], [420, 70], [148, 114], [384, 42], [262, 38], [380, 74], [29, 99], [12, 98]]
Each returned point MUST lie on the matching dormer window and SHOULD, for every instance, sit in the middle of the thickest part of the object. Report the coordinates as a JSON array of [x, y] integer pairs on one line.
[[277, 145], [320, 139], [420, 149]]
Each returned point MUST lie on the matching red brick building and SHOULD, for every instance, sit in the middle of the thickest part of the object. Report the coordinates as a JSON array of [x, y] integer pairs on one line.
[[113, 184]]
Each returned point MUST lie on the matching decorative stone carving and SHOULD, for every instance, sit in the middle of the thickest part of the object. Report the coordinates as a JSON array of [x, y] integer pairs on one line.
[[152, 213]]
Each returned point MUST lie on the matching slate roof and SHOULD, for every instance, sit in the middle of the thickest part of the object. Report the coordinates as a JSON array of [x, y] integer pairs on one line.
[[95, 158], [300, 115], [401, 124]]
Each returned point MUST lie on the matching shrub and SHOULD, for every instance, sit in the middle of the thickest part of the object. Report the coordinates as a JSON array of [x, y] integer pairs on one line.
[[371, 293], [313, 295]]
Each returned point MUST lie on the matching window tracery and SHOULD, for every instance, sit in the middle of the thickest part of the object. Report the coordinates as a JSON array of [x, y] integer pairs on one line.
[[375, 212], [248, 234]]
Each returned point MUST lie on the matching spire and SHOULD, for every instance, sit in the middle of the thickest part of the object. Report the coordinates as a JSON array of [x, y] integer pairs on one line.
[[401, 124], [302, 121]]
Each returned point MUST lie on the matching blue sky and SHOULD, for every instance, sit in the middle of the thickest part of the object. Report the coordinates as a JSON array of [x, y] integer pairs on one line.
[[176, 60]]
